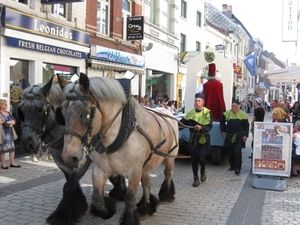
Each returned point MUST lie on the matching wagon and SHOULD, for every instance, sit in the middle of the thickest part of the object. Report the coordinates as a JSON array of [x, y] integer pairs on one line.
[[216, 139]]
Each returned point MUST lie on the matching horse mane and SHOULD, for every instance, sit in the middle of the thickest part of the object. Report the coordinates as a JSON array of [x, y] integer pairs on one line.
[[54, 96], [102, 88]]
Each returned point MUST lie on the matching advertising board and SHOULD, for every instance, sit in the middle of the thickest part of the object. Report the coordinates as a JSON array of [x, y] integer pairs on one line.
[[272, 149]]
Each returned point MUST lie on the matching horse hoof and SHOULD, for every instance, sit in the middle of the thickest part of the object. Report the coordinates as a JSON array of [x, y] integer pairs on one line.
[[106, 211]]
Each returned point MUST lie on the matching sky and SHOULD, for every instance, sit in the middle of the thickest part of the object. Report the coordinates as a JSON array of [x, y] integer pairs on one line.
[[263, 20]]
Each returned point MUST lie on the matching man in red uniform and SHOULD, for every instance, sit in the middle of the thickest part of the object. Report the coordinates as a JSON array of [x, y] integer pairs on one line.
[[213, 94]]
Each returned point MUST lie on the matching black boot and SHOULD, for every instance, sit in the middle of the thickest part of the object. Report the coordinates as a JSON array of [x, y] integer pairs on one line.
[[196, 181], [203, 176]]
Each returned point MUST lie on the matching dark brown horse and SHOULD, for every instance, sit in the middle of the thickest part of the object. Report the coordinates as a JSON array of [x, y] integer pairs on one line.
[[133, 142]]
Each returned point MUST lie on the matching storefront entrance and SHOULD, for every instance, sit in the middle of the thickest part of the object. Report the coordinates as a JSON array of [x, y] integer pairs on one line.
[[19, 76]]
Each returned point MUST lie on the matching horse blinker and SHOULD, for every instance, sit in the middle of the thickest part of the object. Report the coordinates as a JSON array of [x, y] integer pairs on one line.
[[59, 117], [86, 117]]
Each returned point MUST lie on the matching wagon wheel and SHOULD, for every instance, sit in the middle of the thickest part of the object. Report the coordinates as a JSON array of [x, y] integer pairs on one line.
[[216, 155]]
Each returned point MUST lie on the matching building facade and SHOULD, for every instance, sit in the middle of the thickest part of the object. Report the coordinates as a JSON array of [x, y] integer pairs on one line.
[[112, 53], [39, 41]]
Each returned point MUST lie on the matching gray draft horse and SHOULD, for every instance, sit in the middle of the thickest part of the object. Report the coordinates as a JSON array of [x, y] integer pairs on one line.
[[134, 141]]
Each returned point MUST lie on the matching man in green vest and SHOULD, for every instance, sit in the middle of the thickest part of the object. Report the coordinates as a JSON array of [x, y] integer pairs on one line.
[[234, 126], [200, 121]]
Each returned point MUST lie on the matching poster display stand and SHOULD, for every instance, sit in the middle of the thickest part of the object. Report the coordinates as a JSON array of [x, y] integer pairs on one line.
[[272, 154]]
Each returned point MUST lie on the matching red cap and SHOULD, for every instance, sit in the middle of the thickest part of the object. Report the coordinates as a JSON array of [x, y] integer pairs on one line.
[[212, 69]]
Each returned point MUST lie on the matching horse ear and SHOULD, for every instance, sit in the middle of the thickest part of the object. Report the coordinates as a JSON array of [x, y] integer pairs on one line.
[[84, 83], [45, 89], [62, 82]]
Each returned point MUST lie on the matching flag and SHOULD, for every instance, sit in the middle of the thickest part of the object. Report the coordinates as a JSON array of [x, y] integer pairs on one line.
[[250, 64]]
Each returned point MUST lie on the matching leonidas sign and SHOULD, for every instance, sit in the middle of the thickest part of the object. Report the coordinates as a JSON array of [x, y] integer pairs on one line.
[[135, 28]]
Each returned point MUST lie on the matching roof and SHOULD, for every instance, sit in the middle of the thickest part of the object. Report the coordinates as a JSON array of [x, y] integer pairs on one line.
[[217, 18], [290, 75]]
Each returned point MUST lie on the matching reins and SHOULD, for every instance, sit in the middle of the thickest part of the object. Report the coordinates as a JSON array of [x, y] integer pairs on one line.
[[170, 117]]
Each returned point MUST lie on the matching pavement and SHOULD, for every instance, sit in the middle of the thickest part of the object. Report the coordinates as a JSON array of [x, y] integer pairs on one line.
[[28, 195]]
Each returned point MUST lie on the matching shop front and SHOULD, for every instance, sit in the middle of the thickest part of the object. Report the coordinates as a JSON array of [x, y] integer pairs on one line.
[[32, 50], [108, 62]]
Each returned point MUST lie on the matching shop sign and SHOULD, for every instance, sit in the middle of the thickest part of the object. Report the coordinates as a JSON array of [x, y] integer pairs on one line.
[[41, 47], [20, 21], [290, 20], [272, 145], [112, 55], [59, 1], [135, 28]]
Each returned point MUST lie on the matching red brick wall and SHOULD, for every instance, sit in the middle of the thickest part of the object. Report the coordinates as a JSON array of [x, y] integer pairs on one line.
[[116, 28]]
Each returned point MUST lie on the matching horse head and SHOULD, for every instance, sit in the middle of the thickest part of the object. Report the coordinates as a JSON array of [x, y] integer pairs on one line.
[[86, 112], [36, 112]]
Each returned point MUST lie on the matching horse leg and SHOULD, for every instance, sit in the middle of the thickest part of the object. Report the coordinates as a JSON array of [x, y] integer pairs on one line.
[[119, 190], [102, 206], [148, 203], [130, 215], [167, 189], [73, 204]]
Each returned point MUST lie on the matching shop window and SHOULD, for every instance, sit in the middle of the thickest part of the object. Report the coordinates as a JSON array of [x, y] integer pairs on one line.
[[19, 69], [59, 10], [103, 16], [126, 12], [69, 73]]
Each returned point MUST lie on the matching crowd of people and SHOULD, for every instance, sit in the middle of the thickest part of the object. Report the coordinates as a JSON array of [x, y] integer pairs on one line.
[[157, 101]]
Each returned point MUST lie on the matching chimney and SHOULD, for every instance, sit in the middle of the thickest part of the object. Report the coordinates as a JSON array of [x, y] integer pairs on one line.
[[227, 10]]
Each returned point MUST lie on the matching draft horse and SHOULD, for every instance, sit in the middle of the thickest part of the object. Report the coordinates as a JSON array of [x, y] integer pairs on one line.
[[36, 112], [133, 142]]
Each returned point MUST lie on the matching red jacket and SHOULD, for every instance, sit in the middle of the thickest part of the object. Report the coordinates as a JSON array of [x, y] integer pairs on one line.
[[214, 99]]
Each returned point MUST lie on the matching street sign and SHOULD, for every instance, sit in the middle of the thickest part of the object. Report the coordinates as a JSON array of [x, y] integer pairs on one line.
[[135, 28]]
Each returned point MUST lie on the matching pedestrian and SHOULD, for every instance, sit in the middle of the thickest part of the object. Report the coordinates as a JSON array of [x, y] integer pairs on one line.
[[295, 112], [259, 115], [200, 121], [9, 134], [295, 148], [155, 97], [234, 126], [2, 135], [279, 115]]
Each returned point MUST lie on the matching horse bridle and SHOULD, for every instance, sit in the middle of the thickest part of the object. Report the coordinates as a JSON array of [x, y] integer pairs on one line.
[[41, 133], [85, 145], [89, 114]]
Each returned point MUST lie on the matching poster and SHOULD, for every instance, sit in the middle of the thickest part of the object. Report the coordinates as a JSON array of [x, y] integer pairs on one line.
[[272, 149]]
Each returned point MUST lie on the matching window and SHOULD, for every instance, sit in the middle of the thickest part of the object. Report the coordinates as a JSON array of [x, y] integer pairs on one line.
[[198, 22], [182, 42], [102, 16], [66, 72], [59, 10], [170, 16], [198, 46], [126, 12], [154, 12], [23, 1], [183, 8]]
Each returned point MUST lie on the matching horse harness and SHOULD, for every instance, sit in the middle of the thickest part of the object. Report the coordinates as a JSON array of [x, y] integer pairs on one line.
[[128, 125], [42, 132]]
